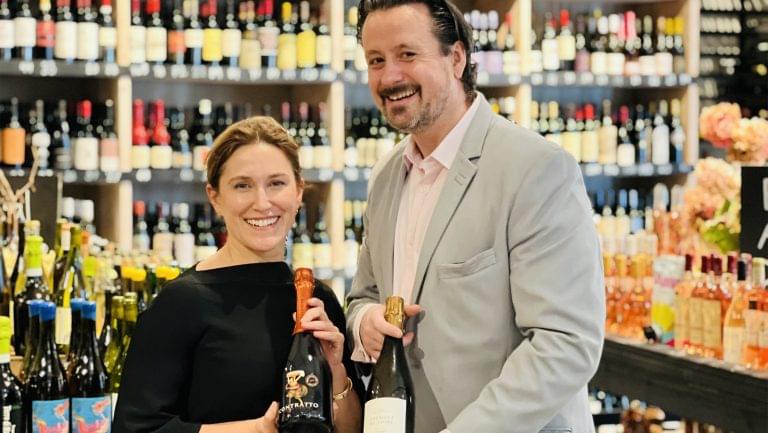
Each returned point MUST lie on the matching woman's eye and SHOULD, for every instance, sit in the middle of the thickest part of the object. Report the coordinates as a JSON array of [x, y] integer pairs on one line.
[[241, 186], [278, 183]]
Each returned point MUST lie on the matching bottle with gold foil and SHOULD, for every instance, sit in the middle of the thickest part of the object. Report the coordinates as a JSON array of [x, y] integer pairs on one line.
[[306, 402], [306, 41], [390, 401], [250, 53], [231, 37], [212, 33], [286, 42]]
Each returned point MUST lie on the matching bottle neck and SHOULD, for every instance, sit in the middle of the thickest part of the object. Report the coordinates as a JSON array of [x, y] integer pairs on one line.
[[47, 342], [88, 342]]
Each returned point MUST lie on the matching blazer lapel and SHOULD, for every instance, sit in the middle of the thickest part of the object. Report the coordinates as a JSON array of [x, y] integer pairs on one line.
[[459, 178], [396, 176]]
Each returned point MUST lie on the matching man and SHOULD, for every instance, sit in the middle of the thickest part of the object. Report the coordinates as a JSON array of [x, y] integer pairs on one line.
[[486, 231]]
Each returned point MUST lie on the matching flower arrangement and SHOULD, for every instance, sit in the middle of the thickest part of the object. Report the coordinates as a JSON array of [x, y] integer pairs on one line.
[[745, 140], [712, 205]]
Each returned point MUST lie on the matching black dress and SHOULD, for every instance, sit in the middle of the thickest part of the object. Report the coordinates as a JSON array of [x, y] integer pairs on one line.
[[211, 348]]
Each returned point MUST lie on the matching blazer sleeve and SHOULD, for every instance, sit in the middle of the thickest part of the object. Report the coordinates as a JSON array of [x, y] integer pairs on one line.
[[158, 364], [556, 283]]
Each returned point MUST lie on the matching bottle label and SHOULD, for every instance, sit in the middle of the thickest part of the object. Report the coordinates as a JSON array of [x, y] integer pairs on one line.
[[230, 42], [324, 50], [66, 40], [24, 28], [86, 150], [286, 52], [549, 55], [682, 329], [162, 245], [307, 157], [566, 47], [664, 63], [385, 415], [598, 62], [711, 324], [268, 39], [572, 144], [752, 327], [140, 157], [13, 146], [200, 155], [733, 343], [41, 140], [647, 65], [182, 159], [302, 255], [306, 44], [660, 143], [12, 419], [250, 57], [590, 148], [203, 252], [762, 334], [350, 45], [138, 44], [6, 34], [322, 256], [157, 41], [193, 38], [91, 414], [87, 41], [107, 37], [322, 156], [176, 42], [694, 321], [616, 63], [46, 31], [161, 157], [607, 143], [50, 416], [63, 325], [302, 394], [212, 45], [109, 148]]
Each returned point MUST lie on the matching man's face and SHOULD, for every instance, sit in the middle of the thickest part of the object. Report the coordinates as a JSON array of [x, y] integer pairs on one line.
[[410, 78]]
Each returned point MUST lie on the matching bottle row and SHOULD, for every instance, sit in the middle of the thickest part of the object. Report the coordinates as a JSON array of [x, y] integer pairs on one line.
[[721, 24], [721, 5]]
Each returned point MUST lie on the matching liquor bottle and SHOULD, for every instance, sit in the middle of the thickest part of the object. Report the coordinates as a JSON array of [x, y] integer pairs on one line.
[[40, 139], [212, 54], [71, 285], [306, 40], [7, 32], [616, 57], [11, 396], [660, 136], [175, 34], [161, 153], [734, 325], [608, 135], [306, 402], [140, 151], [140, 235], [107, 33], [131, 314], [31, 338], [112, 351], [24, 26], [662, 57], [184, 239], [625, 153], [350, 38], [754, 314], [268, 35], [714, 306], [205, 243], [62, 146], [45, 394], [85, 146], [566, 43], [182, 153], [286, 42], [156, 35], [677, 134], [193, 33], [109, 151], [45, 32], [13, 138], [91, 403], [250, 53], [302, 243], [66, 32], [138, 36], [390, 398], [324, 45], [87, 32], [203, 136], [34, 288], [162, 239], [231, 37], [647, 51], [599, 45], [76, 309], [549, 46]]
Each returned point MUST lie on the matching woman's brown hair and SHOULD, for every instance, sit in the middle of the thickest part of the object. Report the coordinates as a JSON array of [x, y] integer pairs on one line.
[[253, 130]]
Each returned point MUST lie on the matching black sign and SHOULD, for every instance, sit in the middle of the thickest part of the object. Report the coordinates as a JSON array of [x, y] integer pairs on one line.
[[754, 211]]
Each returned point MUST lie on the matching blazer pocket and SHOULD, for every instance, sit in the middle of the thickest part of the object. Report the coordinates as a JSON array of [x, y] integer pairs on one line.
[[468, 267]]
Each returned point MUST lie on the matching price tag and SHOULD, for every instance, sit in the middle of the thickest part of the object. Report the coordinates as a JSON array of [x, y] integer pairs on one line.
[[586, 79], [617, 81], [48, 68], [254, 74], [111, 70], [139, 69], [159, 71], [112, 176], [186, 175], [364, 77], [645, 169], [483, 78], [684, 79], [630, 170], [325, 174], [569, 78], [670, 80], [601, 80], [327, 75], [70, 176], [654, 81], [215, 73], [143, 175], [26, 68], [665, 169], [91, 175], [635, 80], [351, 174], [92, 69], [592, 170], [273, 74], [289, 75], [537, 79], [611, 170], [198, 72], [234, 74]]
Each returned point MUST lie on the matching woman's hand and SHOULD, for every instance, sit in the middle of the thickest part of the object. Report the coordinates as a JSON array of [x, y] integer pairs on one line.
[[331, 339], [268, 423]]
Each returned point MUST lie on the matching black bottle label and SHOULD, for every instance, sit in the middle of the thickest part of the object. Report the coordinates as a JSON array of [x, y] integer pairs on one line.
[[12, 420]]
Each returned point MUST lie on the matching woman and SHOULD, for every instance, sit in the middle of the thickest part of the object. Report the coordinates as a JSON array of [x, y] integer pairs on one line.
[[208, 355]]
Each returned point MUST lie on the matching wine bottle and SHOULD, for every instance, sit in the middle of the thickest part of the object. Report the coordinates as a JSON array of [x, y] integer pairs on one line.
[[46, 400], [107, 33], [70, 286], [321, 247], [231, 37], [302, 243], [608, 136], [46, 32], [138, 36], [112, 351], [203, 136], [306, 40], [566, 43], [140, 151], [549, 48], [306, 401], [85, 145], [677, 134], [161, 153], [324, 45], [599, 42], [175, 24], [131, 313], [11, 395], [24, 26], [107, 329], [32, 337], [109, 150], [306, 150], [350, 38], [72, 349], [7, 35], [91, 403], [250, 50], [193, 33], [322, 152], [87, 32], [286, 42], [647, 59], [389, 403], [13, 138], [40, 138], [182, 153], [590, 141], [212, 33], [66, 32], [156, 34], [62, 145], [62, 250], [660, 137], [268, 35], [34, 287], [205, 243], [184, 239]]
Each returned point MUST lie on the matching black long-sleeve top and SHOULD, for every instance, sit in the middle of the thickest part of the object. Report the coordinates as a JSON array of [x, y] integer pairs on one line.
[[212, 347]]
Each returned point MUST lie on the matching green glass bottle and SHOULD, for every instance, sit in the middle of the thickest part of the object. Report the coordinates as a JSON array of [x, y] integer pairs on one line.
[[91, 402], [131, 314], [112, 352], [71, 285]]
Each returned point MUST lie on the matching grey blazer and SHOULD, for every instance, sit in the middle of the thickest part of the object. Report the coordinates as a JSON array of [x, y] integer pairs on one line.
[[511, 281]]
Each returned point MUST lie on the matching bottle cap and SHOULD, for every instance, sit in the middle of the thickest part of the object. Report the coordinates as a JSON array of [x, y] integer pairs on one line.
[[89, 310], [48, 312], [5, 335], [395, 311], [77, 304], [34, 307]]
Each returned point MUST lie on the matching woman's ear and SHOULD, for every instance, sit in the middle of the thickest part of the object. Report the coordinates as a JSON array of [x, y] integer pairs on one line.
[[213, 197]]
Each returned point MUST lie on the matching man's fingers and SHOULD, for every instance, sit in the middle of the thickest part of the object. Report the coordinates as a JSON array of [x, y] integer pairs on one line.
[[408, 338], [412, 310]]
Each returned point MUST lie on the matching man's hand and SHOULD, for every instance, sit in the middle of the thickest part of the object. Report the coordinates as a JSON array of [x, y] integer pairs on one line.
[[373, 329]]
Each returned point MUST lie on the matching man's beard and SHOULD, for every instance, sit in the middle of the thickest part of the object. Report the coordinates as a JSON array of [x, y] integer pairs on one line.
[[426, 117]]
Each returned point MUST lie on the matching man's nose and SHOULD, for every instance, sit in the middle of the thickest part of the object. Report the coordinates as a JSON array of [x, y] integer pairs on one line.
[[392, 74]]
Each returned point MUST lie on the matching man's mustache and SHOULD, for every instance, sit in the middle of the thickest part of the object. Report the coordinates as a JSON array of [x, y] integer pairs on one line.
[[400, 88]]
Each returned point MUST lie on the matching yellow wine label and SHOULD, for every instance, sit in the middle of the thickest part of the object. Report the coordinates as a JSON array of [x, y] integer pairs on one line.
[[212, 45], [286, 52], [306, 46]]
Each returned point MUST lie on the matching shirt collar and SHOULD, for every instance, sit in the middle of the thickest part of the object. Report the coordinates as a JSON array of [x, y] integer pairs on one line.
[[445, 153]]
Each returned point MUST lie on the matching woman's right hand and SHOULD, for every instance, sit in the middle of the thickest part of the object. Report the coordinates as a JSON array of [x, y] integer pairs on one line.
[[265, 424]]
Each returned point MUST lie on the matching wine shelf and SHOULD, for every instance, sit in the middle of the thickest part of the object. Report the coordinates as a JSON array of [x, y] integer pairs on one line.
[[209, 74], [711, 391], [60, 69]]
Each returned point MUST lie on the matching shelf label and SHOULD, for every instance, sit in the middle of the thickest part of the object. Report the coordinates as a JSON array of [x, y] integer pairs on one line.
[[186, 175], [273, 74], [309, 74], [69, 176], [513, 80], [203, 176], [111, 70], [617, 81], [234, 74], [325, 174], [112, 176], [143, 175], [26, 68], [139, 69], [635, 80], [569, 78], [289, 75], [254, 74], [670, 80], [327, 75], [664, 169], [483, 78], [92, 69], [349, 76], [159, 71], [91, 176], [684, 79], [611, 170], [351, 174], [215, 73], [48, 68], [367, 173], [630, 170], [552, 79]]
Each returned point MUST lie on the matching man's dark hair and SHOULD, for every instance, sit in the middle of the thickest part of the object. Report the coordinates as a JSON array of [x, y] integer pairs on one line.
[[449, 26]]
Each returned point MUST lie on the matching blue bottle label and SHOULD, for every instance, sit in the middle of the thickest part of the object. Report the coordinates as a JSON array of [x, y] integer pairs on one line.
[[91, 415], [50, 416]]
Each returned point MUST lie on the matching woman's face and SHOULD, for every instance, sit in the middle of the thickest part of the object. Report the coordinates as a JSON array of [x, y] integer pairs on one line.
[[258, 197]]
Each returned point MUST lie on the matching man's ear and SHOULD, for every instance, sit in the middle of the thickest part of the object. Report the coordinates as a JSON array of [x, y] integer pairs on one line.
[[459, 59]]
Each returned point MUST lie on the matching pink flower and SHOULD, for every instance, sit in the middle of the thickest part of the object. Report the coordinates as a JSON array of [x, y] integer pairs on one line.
[[751, 140], [718, 122]]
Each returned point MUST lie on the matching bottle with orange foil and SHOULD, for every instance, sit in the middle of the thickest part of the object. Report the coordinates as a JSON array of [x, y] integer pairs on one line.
[[307, 394]]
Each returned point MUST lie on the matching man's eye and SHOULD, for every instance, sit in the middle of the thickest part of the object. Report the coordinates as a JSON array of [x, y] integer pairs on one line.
[[375, 61], [408, 54]]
